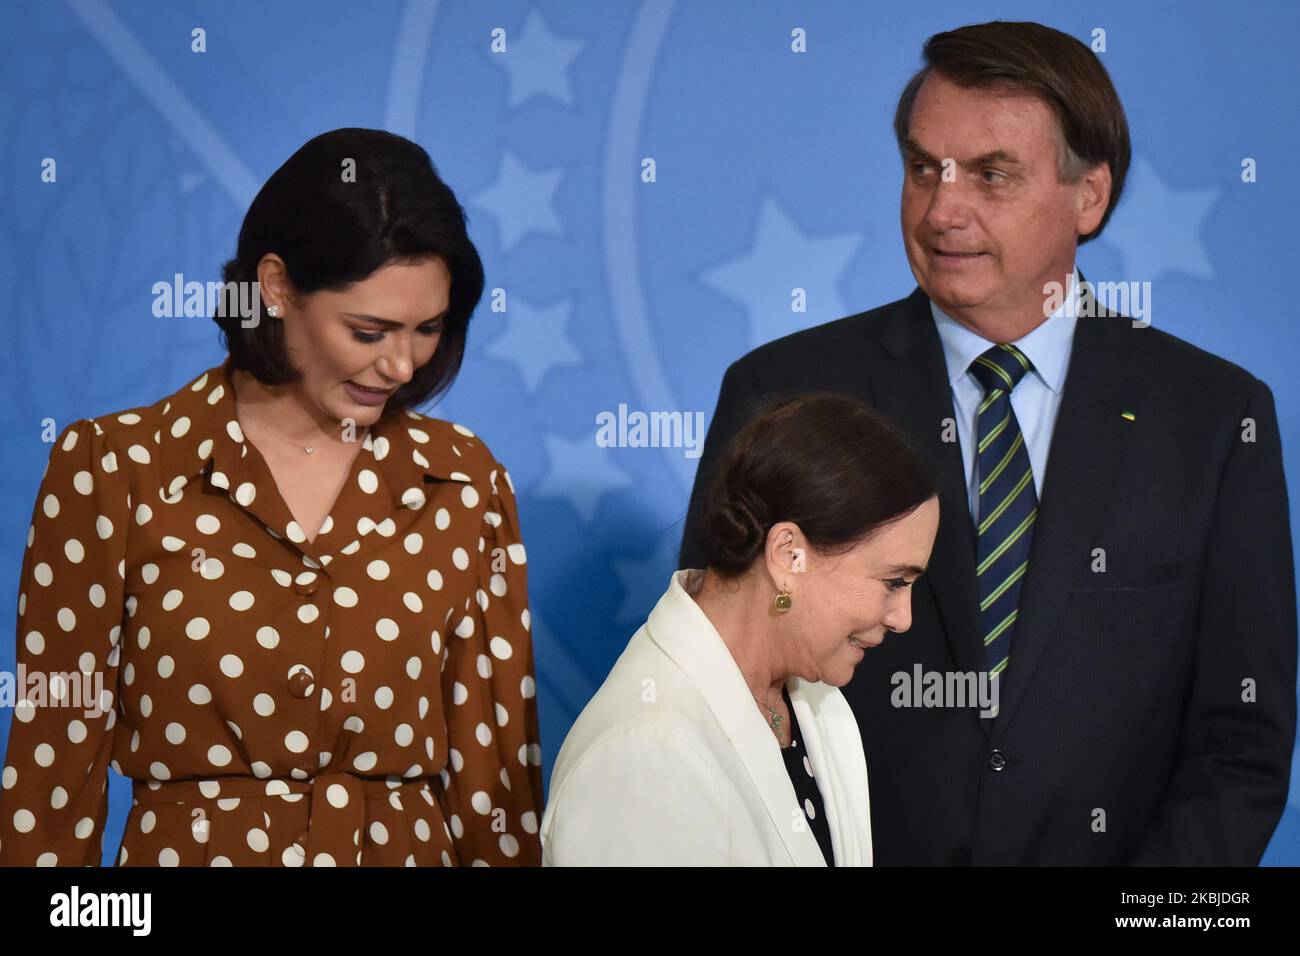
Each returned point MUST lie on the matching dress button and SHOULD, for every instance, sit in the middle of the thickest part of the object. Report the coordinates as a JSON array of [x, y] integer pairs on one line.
[[306, 583], [301, 681], [996, 761]]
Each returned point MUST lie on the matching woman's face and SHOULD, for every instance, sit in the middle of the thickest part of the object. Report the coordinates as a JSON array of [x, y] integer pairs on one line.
[[843, 604], [376, 333]]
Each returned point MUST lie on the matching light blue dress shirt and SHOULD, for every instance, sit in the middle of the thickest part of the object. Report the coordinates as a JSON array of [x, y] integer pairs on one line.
[[1036, 398]]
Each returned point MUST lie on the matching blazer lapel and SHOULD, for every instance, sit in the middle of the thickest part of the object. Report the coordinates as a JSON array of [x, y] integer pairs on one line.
[[843, 781], [683, 632], [1090, 444], [913, 390]]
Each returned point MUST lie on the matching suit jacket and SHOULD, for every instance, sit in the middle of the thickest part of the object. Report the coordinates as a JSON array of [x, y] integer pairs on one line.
[[670, 763], [1148, 714]]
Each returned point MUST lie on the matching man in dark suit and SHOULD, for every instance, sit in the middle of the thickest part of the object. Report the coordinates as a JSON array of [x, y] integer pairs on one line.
[[1114, 542]]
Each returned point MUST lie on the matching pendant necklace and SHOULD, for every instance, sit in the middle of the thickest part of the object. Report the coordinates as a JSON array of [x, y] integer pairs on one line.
[[774, 720]]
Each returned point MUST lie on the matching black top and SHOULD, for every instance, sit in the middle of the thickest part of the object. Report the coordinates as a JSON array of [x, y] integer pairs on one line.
[[799, 767]]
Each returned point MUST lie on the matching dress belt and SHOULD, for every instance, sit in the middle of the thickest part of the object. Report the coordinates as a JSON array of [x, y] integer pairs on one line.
[[335, 818]]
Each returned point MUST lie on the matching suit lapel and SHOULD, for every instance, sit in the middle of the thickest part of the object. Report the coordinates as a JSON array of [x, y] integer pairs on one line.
[[1090, 443], [913, 390]]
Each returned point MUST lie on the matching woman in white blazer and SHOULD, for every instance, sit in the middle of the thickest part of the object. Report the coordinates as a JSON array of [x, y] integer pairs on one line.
[[720, 736]]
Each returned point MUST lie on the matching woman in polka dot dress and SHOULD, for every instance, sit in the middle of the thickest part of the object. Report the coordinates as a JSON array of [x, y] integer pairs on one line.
[[306, 602]]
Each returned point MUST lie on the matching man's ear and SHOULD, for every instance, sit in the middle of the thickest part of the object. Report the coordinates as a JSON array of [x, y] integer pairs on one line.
[[1092, 198]]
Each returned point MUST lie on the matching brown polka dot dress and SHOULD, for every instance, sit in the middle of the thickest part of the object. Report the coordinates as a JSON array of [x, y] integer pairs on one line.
[[366, 698]]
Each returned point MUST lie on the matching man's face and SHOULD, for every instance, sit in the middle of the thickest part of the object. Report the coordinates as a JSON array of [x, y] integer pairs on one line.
[[986, 242]]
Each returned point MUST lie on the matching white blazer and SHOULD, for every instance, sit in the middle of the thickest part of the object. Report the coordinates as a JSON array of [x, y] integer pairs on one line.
[[672, 764]]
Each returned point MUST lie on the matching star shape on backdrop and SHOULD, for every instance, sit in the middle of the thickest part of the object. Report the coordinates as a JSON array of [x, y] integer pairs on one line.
[[1157, 229], [535, 341], [537, 62], [522, 201], [784, 257], [644, 579], [580, 472]]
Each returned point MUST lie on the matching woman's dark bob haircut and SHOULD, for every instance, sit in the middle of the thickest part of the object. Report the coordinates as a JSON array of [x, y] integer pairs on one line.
[[345, 204], [828, 462]]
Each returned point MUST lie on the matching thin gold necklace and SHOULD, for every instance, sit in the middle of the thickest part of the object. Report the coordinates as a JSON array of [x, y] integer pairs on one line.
[[309, 449]]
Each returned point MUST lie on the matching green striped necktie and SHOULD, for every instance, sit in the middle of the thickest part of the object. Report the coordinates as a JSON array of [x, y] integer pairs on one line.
[[1008, 503]]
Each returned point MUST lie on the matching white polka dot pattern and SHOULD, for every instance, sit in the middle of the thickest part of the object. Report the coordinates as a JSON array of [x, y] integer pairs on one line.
[[278, 701]]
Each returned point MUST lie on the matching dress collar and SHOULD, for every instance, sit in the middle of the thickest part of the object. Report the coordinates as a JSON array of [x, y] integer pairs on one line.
[[200, 429]]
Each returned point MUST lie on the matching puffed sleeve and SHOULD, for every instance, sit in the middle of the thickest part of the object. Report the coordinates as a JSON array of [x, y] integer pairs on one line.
[[493, 783], [70, 610]]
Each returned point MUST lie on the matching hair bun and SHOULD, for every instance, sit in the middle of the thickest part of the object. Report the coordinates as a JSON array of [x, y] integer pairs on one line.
[[737, 527], [829, 463]]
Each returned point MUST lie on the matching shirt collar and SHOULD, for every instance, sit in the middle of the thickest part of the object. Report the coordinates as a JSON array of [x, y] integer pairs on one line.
[[199, 427], [1047, 347]]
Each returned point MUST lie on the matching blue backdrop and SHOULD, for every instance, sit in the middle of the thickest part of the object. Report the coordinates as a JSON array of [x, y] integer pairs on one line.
[[774, 170]]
